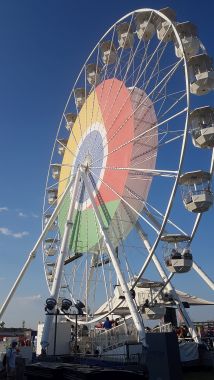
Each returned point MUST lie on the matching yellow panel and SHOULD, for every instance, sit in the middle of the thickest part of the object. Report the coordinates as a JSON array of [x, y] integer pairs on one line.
[[89, 114]]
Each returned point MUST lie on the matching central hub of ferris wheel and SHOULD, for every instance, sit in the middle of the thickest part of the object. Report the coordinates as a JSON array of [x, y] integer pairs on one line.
[[87, 161]]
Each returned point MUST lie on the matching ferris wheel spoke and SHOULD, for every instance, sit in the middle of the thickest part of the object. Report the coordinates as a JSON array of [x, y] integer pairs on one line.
[[149, 172], [158, 215], [123, 78], [144, 133], [158, 98], [152, 217], [138, 69], [124, 103], [124, 201], [139, 76], [156, 67], [66, 148], [53, 185], [169, 95], [94, 93], [91, 113], [114, 76], [103, 79], [165, 97], [53, 205], [150, 148], [173, 105], [128, 267], [147, 64], [138, 160], [102, 264], [166, 78]]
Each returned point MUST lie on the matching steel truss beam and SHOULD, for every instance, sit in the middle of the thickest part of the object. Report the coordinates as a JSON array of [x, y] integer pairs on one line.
[[130, 302]]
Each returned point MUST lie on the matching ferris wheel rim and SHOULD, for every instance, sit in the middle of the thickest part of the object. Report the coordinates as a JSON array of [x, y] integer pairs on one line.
[[170, 203], [84, 66]]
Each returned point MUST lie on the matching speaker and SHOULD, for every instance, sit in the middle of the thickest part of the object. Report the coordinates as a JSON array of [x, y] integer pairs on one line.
[[170, 316], [163, 358]]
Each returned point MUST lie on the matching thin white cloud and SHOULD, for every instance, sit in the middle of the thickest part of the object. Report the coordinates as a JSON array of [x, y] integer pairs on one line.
[[22, 215], [33, 297], [16, 235], [2, 209], [35, 215], [20, 235]]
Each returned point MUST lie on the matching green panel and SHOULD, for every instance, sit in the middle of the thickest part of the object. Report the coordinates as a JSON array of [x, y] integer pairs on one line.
[[84, 235]]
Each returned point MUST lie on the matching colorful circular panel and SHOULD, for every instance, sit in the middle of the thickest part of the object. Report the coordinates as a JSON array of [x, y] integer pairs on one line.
[[109, 138]]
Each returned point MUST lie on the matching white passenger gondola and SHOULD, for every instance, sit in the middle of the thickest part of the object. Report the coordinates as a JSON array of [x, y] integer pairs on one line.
[[146, 292], [190, 42], [50, 246], [46, 220], [55, 168], [93, 74], [62, 143], [64, 286], [51, 264], [70, 120], [50, 277], [52, 196], [108, 52], [164, 28], [145, 28], [125, 35], [196, 191], [201, 123], [201, 74], [177, 255], [80, 97]]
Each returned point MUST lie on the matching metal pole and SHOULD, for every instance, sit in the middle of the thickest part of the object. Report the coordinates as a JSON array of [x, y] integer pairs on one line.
[[75, 333], [130, 302], [60, 262], [55, 332], [32, 254]]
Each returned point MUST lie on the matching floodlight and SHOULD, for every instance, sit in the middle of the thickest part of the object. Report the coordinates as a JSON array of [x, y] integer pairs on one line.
[[66, 304], [50, 303]]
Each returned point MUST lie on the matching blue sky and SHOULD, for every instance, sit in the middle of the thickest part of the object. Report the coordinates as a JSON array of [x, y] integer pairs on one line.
[[43, 44]]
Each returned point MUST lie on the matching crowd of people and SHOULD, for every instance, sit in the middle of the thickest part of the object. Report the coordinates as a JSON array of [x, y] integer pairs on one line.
[[182, 332], [107, 324]]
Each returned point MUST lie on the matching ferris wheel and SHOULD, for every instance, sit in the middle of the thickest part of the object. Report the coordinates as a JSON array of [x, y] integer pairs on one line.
[[134, 132], [127, 142]]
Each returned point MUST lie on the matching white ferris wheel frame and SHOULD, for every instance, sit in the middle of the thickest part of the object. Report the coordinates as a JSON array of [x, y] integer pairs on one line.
[[151, 249]]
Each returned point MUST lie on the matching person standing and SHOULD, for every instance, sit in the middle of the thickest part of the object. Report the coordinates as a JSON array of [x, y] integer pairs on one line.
[[107, 324], [11, 361]]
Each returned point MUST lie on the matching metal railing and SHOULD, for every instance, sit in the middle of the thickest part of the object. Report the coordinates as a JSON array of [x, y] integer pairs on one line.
[[116, 336], [164, 328]]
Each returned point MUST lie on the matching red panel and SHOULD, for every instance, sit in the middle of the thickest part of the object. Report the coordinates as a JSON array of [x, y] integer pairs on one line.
[[116, 108]]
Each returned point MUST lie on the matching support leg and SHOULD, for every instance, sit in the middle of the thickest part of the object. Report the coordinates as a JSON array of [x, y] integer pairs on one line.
[[203, 275], [32, 254], [60, 262], [130, 302]]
